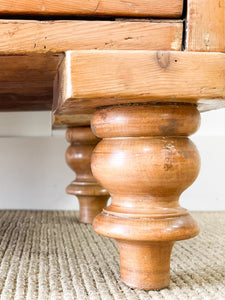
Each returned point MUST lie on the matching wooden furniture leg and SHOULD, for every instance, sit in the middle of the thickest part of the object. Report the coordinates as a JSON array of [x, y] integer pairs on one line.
[[146, 161], [92, 197]]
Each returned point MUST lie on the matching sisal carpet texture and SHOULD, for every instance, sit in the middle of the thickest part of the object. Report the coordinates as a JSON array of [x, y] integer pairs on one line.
[[49, 255]]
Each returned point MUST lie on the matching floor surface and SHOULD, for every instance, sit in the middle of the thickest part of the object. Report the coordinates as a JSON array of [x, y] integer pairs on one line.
[[50, 255]]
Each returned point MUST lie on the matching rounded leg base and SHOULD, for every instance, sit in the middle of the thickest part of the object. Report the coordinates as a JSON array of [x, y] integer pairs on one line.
[[90, 207], [145, 160], [145, 265]]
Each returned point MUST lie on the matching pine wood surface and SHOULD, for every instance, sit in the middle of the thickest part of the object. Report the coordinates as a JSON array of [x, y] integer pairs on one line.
[[145, 104], [92, 197], [31, 51], [138, 8], [115, 77], [26, 81], [145, 168], [205, 25], [21, 37], [60, 121]]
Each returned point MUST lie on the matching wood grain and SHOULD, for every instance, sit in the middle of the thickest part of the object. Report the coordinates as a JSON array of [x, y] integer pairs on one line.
[[145, 168], [115, 77], [26, 81], [21, 37], [60, 121], [28, 74], [138, 8], [206, 25], [30, 52], [92, 197]]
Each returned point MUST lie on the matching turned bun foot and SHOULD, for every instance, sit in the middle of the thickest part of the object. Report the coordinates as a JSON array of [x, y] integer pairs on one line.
[[145, 161], [92, 197], [147, 266]]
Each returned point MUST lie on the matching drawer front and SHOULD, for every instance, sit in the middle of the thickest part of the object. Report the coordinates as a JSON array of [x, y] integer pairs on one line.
[[138, 8], [31, 51], [206, 25], [27, 36]]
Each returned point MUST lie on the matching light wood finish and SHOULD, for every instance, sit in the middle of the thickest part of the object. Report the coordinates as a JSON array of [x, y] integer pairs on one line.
[[205, 25], [115, 77], [31, 51], [138, 8], [145, 168], [60, 121], [22, 37], [92, 197]]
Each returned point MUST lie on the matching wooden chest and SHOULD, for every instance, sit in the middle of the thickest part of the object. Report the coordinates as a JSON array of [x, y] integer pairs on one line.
[[140, 72]]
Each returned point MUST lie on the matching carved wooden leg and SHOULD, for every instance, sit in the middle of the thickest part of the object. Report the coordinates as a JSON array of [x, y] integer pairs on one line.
[[92, 197], [146, 161]]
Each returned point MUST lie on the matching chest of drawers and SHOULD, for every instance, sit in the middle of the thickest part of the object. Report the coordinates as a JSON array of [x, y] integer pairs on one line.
[[140, 72]]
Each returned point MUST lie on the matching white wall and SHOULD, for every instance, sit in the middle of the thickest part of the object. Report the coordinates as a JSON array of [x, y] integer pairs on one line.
[[34, 123], [33, 173]]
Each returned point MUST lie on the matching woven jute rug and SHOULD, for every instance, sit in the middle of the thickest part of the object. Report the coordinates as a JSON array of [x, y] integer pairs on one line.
[[50, 255]]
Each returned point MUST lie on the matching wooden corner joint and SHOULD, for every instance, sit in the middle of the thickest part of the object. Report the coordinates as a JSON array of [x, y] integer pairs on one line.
[[145, 161], [92, 197], [115, 77], [145, 104]]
